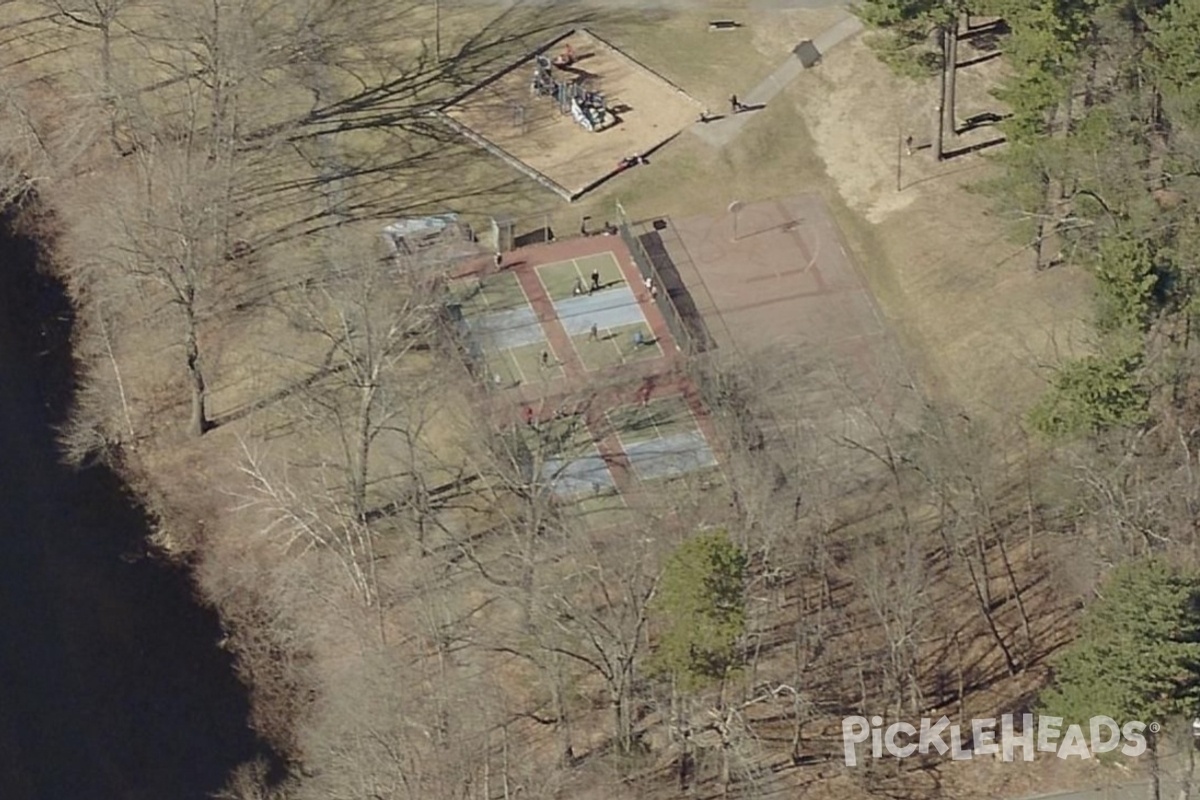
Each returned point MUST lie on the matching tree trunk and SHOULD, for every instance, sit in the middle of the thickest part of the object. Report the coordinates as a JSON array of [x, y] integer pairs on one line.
[[951, 77], [359, 462], [110, 101], [622, 720], [939, 116], [1016, 591], [1155, 768], [199, 420], [1156, 177]]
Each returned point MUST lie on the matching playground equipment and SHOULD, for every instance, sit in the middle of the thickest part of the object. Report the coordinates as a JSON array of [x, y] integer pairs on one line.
[[564, 59], [572, 96]]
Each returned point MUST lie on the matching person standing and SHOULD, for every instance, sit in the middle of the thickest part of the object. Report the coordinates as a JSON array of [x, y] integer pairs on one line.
[[499, 260], [594, 333], [595, 280]]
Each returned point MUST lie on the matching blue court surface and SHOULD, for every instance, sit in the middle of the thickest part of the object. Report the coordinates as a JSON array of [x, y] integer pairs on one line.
[[606, 309], [503, 330], [586, 474], [670, 456]]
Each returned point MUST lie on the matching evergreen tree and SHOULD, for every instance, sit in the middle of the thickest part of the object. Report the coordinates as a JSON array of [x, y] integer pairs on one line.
[[700, 610], [1138, 652]]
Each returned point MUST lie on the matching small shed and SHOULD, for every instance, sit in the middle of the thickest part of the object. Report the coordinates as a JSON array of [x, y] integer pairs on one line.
[[414, 235]]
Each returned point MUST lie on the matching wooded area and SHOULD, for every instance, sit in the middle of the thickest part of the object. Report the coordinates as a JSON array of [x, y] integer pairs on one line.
[[417, 613]]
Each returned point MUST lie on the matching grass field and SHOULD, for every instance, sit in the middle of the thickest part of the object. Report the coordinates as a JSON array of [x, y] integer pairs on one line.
[[562, 278], [616, 346]]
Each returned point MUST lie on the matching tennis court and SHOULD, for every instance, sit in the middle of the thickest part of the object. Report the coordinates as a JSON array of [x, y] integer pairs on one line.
[[611, 347], [606, 325], [571, 465], [504, 333], [573, 277], [499, 292], [514, 366], [662, 439], [578, 475]]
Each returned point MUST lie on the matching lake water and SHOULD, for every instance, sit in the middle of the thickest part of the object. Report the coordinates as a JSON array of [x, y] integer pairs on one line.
[[111, 682]]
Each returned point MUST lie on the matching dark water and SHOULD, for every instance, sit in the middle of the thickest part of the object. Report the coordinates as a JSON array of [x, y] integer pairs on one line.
[[111, 685]]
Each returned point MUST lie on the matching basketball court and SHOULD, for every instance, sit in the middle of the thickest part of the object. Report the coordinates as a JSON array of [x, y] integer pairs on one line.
[[775, 279]]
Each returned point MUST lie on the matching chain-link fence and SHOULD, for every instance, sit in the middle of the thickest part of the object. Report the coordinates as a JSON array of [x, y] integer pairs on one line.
[[654, 263]]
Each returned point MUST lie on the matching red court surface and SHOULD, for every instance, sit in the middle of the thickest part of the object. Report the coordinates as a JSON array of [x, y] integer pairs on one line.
[[655, 374], [776, 283]]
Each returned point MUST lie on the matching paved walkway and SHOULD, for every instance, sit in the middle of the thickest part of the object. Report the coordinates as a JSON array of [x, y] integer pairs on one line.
[[721, 132]]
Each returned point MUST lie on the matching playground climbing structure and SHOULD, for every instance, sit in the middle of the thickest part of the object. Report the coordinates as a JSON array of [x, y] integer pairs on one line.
[[573, 96]]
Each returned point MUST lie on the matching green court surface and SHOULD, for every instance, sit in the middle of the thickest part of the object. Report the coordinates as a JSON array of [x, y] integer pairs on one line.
[[660, 418], [567, 436], [604, 511], [561, 278], [522, 365], [615, 346], [529, 360], [500, 292]]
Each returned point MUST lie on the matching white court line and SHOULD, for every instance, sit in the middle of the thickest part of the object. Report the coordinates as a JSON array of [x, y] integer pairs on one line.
[[546, 334], [537, 273], [512, 357], [612, 339], [541, 325]]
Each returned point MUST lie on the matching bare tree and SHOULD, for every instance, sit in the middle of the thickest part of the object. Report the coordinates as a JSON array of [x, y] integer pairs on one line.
[[375, 319], [596, 616], [309, 518], [892, 576], [167, 229]]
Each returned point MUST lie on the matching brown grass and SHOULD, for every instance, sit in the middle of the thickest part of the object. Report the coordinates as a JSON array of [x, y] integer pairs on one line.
[[973, 314]]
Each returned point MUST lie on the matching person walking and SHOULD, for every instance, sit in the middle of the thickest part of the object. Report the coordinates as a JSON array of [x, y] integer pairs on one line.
[[545, 359], [594, 333], [595, 280], [735, 105]]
